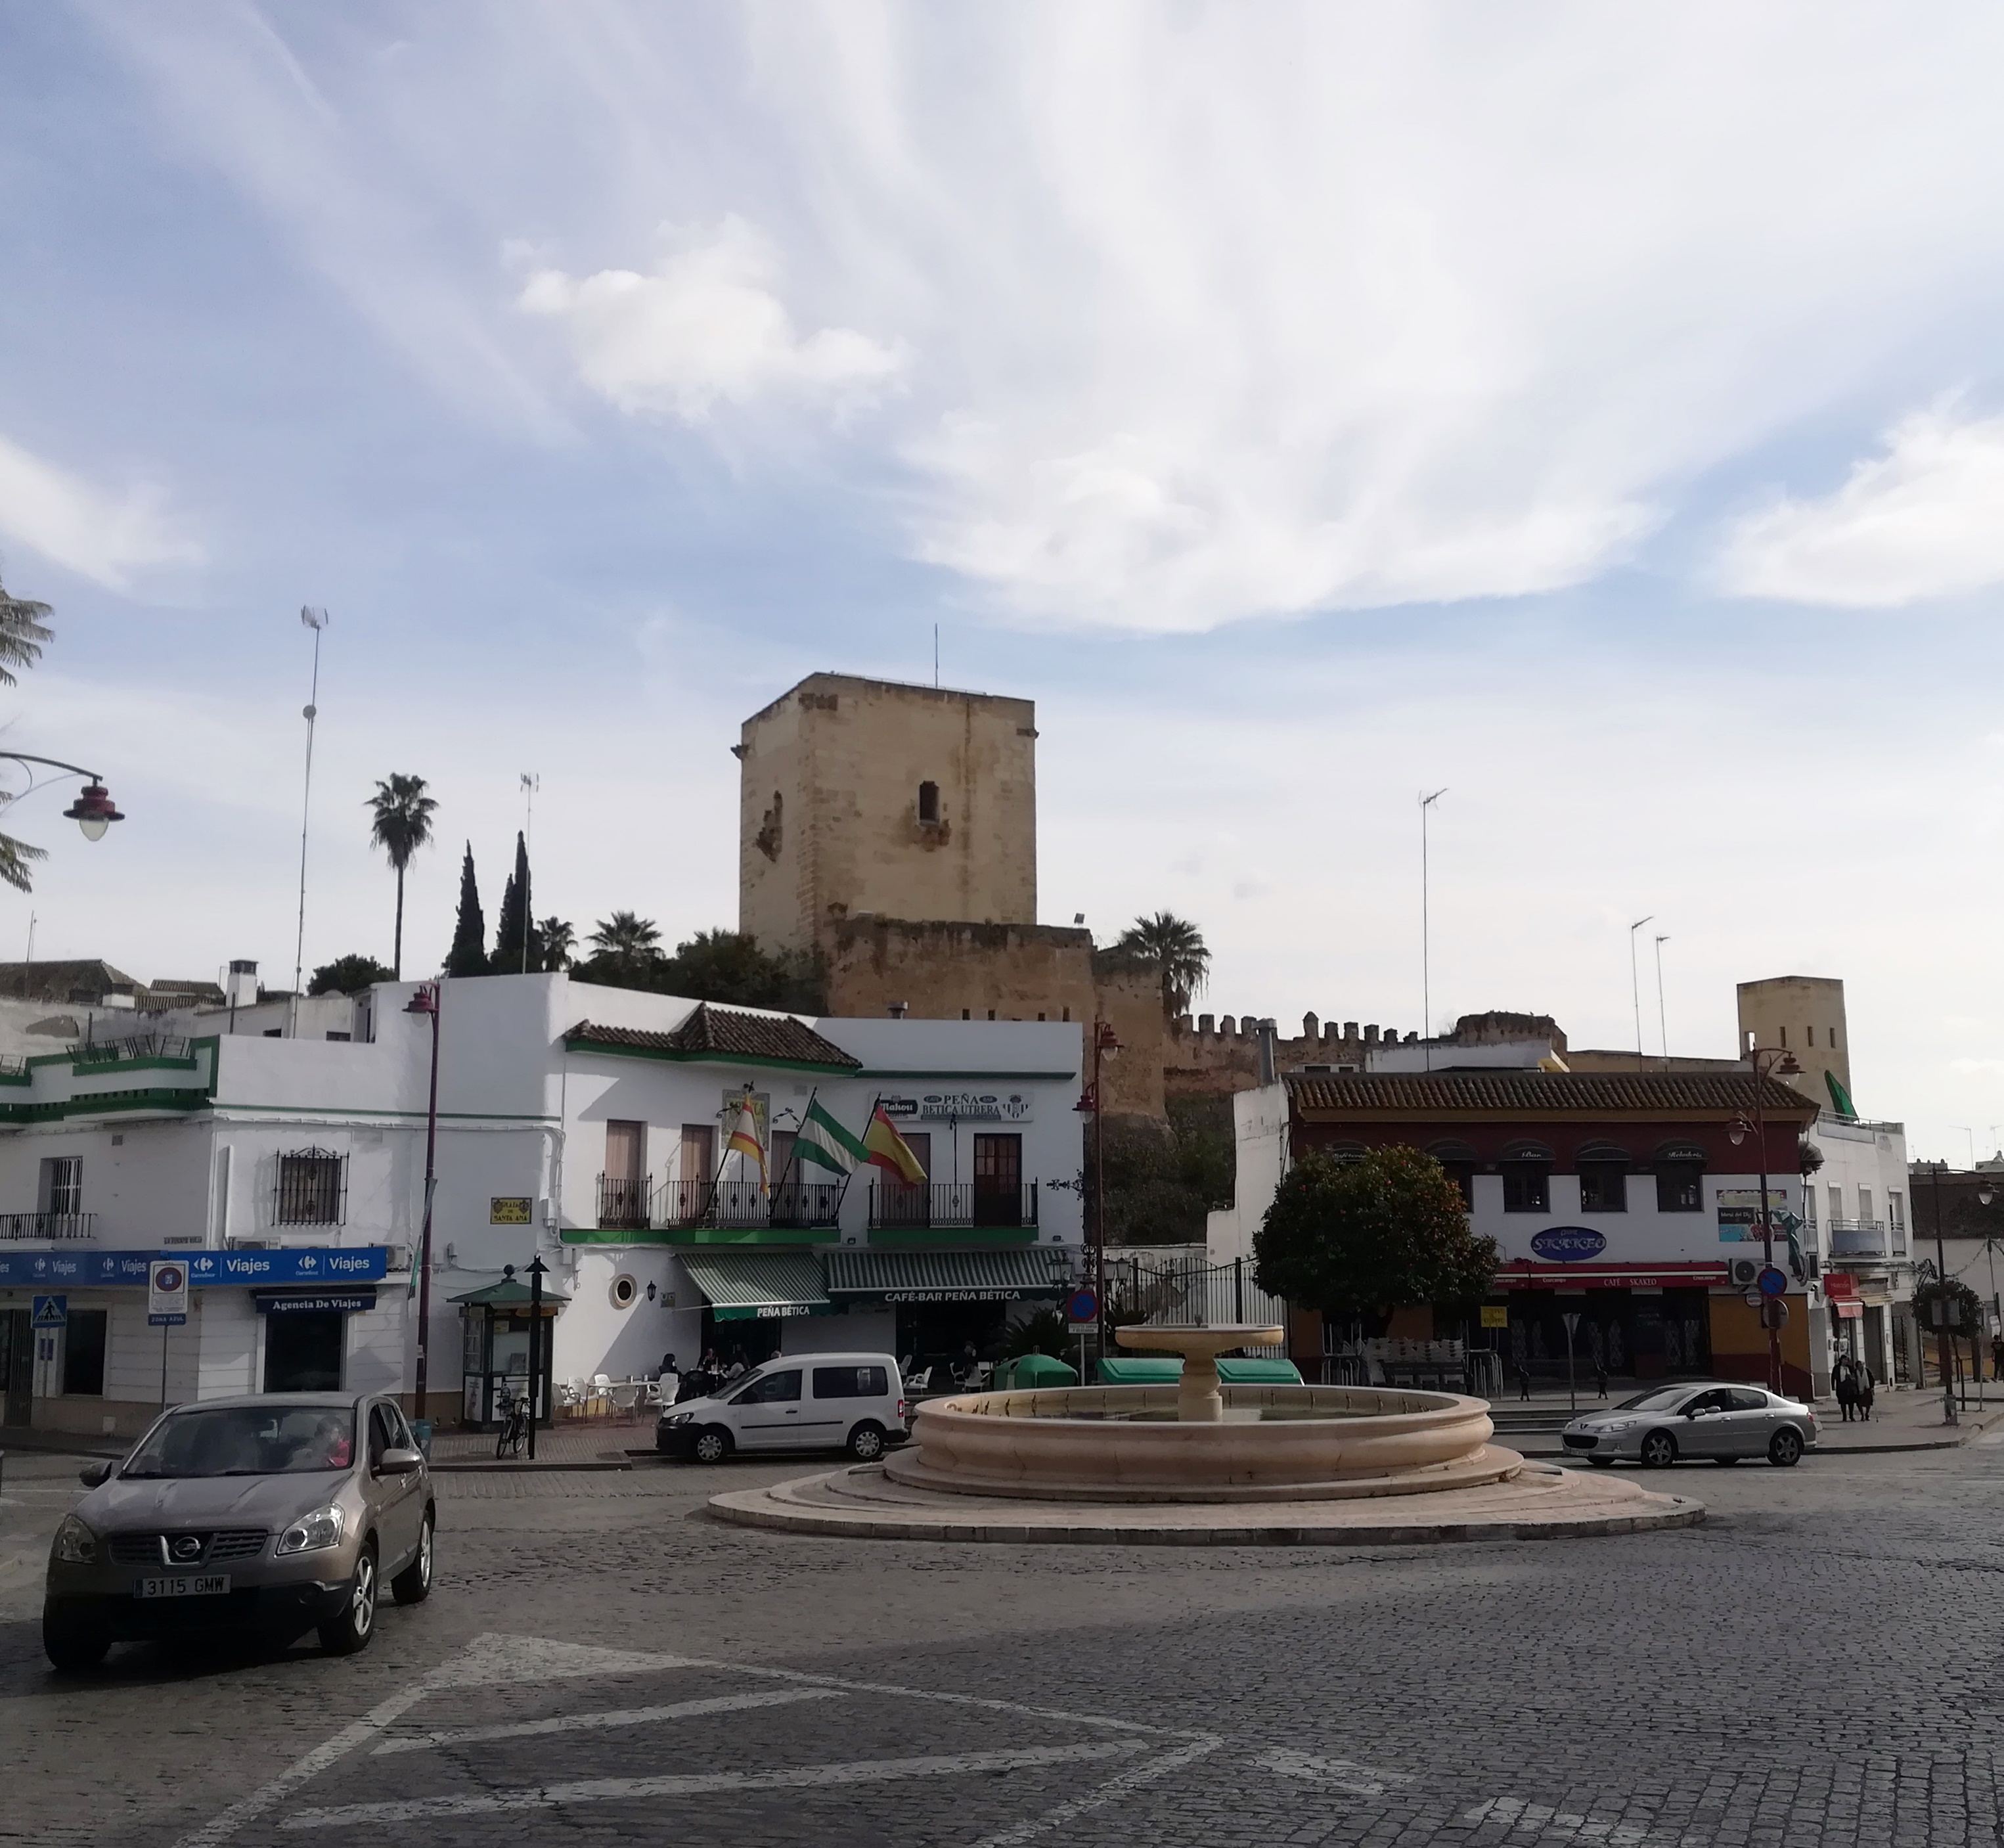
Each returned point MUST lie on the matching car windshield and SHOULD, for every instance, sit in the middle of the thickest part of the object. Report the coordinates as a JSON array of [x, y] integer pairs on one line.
[[1660, 1398], [248, 1441]]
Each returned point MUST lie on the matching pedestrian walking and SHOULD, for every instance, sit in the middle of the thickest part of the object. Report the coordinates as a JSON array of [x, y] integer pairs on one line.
[[1844, 1382], [1523, 1380], [1866, 1387], [1601, 1377]]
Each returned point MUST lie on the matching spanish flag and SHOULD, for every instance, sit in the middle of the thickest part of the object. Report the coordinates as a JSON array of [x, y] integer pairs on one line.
[[888, 1149], [744, 1140]]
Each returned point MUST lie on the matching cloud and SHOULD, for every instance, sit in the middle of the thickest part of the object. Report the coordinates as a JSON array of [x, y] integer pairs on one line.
[[102, 536], [705, 324], [1923, 519]]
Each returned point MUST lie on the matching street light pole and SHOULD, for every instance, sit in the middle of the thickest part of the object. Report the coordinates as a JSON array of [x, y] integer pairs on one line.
[[425, 1001], [1105, 1045], [94, 811], [537, 1269], [1941, 1307], [1784, 1062]]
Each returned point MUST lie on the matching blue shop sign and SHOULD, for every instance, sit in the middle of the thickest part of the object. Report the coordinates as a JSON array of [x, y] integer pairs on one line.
[[1568, 1244], [361, 1264]]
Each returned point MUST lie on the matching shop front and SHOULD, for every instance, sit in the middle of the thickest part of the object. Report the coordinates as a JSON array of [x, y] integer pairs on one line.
[[760, 1303], [936, 1304], [1635, 1322]]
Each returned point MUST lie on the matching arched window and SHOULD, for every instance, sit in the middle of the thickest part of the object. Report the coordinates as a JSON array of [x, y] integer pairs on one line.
[[929, 806], [1679, 1177], [1527, 1178], [1603, 1177]]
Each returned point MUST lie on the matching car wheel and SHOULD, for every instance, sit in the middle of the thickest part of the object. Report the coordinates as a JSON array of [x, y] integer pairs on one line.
[[413, 1585], [866, 1443], [72, 1638], [1659, 1450], [350, 1632], [1785, 1448], [712, 1445]]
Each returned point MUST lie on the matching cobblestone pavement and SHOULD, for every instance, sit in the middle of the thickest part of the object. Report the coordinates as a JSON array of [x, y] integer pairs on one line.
[[602, 1662]]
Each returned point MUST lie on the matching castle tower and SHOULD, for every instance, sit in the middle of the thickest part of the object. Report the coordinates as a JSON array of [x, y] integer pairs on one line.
[[862, 796], [1804, 1013]]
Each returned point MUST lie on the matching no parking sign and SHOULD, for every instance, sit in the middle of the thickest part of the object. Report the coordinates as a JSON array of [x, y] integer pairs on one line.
[[166, 1292]]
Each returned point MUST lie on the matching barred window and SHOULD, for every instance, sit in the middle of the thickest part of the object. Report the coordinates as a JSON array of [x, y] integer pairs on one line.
[[312, 1188]]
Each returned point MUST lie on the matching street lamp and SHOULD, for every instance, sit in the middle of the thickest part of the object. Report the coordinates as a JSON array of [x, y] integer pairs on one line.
[[1105, 1045], [94, 811], [425, 1001], [1781, 1063]]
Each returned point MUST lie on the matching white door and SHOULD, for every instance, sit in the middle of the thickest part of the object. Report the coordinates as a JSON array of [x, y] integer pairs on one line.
[[766, 1413]]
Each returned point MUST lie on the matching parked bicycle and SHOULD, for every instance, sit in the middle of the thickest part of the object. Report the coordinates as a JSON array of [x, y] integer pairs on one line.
[[514, 1425]]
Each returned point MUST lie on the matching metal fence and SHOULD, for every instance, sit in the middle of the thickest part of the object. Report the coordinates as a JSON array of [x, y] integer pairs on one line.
[[1193, 1290]]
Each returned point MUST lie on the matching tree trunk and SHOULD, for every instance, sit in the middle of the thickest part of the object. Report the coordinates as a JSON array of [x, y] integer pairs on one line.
[[397, 955]]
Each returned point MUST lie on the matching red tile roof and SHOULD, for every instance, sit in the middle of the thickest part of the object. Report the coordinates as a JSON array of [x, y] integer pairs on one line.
[[1539, 1094], [725, 1033]]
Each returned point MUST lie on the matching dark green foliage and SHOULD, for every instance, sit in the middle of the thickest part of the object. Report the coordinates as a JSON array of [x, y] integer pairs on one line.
[[514, 941], [715, 966], [400, 822], [1358, 1237], [22, 634], [468, 954], [551, 946], [1176, 947], [347, 975], [1046, 1332], [1162, 1182], [1967, 1308]]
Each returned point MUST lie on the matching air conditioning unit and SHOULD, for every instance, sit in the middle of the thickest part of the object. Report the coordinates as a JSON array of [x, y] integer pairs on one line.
[[1743, 1273]]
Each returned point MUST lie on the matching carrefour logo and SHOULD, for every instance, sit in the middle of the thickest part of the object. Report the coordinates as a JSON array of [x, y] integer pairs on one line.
[[1568, 1244]]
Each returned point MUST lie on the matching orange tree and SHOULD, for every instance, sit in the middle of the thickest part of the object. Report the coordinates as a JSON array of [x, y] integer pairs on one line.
[[1370, 1234]]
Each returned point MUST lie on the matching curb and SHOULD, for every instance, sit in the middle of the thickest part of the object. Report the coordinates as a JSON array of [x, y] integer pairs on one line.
[[498, 1468]]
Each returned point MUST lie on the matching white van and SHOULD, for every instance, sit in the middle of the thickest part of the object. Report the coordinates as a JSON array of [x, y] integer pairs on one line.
[[852, 1402]]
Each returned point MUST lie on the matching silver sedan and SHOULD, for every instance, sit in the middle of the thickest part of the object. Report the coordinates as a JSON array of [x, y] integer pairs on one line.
[[1705, 1418]]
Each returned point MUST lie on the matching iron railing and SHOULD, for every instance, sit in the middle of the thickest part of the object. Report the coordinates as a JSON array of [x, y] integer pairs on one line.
[[1191, 1290], [1858, 1238], [312, 1188], [950, 1205], [134, 1046], [622, 1203], [640, 1205], [53, 1226]]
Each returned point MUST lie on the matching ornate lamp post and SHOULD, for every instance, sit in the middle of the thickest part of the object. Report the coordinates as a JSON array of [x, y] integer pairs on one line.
[[1105, 1045], [425, 1001], [94, 811], [1780, 1063]]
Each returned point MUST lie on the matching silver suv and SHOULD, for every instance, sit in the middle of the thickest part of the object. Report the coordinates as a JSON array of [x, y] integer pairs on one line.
[[273, 1515]]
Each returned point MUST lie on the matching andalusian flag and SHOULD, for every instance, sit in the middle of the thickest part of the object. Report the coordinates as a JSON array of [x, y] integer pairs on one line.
[[888, 1149], [744, 1139], [824, 1142]]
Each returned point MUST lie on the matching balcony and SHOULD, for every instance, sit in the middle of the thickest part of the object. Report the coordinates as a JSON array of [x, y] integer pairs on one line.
[[953, 1212], [1858, 1238], [54, 1228], [721, 1212]]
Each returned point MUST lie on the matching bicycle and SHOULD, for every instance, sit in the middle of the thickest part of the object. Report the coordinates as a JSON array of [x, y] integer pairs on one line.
[[514, 1426]]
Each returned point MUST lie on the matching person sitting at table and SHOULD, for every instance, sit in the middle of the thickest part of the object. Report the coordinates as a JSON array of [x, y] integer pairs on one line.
[[668, 1381]]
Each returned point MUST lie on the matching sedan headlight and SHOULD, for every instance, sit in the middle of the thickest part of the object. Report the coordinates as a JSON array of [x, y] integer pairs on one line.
[[678, 1418], [1619, 1425], [75, 1544], [314, 1532]]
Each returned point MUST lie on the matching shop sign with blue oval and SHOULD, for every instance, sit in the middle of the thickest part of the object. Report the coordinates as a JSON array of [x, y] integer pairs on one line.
[[1568, 1244]]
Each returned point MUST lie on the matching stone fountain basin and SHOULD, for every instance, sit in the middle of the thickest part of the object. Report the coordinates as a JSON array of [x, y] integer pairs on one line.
[[1087, 1443]]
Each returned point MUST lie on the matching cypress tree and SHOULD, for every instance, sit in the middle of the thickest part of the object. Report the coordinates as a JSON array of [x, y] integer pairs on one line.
[[514, 951], [467, 956]]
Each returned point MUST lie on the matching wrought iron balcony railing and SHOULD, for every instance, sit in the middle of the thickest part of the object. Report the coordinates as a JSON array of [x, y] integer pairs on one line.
[[637, 1205], [949, 1205], [54, 1226], [622, 1203]]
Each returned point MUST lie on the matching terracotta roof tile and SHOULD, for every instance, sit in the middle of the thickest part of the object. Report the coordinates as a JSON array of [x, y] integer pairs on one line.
[[1539, 1093], [728, 1032]]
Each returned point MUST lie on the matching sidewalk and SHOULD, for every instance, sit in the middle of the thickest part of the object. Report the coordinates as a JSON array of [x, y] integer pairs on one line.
[[576, 1443]]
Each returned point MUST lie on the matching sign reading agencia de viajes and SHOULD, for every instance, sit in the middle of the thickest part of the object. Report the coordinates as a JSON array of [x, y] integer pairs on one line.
[[965, 1106]]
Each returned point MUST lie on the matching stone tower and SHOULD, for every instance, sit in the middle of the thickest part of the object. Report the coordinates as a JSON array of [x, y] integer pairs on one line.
[[1804, 1013], [868, 798]]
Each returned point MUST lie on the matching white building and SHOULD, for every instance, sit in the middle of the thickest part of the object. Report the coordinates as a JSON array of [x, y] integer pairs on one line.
[[583, 1123]]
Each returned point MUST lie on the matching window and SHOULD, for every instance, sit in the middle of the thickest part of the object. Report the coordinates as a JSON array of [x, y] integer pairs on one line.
[[303, 1350], [1680, 1188], [929, 812], [1746, 1398], [1809, 1204], [1603, 1187], [850, 1383], [1896, 1212], [312, 1187], [1832, 1036], [381, 1437], [62, 1183], [1810, 1032], [83, 1353], [1865, 1203], [1785, 1037], [1527, 1187], [771, 1389], [967, 1013], [1836, 1204]]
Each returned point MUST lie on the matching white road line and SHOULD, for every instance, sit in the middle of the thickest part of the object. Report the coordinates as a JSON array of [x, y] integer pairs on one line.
[[1111, 1791], [570, 1723], [605, 1790], [1540, 1822], [1340, 1774]]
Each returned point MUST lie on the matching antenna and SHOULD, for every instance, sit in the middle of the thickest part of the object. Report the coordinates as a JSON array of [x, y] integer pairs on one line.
[[936, 654], [1426, 932], [1635, 985], [1663, 1022], [1971, 1133], [316, 620]]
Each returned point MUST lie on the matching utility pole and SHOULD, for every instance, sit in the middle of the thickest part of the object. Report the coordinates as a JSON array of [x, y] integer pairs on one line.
[[425, 1001], [1941, 1304], [1662, 1019], [316, 620], [531, 782], [1426, 933], [1635, 985]]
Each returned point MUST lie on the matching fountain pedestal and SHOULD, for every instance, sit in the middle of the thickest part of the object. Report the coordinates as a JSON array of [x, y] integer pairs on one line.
[[1198, 1400]]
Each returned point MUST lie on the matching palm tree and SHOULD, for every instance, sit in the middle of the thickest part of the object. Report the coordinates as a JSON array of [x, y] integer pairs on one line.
[[22, 634], [400, 823], [555, 941], [1177, 947], [628, 938]]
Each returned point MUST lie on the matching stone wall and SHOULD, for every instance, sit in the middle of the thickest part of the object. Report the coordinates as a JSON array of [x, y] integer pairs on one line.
[[1210, 1056]]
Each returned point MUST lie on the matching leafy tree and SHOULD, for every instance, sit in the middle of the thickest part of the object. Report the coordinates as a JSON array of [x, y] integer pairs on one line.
[[400, 823], [1387, 1231], [1177, 948], [718, 965], [514, 949], [349, 975], [1046, 1332], [1161, 1181], [550, 949], [625, 953], [22, 635], [468, 954]]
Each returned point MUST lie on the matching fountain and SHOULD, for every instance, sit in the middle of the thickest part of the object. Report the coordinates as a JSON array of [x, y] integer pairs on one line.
[[1204, 1461]]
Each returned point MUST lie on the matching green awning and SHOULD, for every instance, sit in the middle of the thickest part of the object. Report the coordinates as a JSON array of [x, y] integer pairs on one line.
[[745, 1286], [510, 1293], [1009, 1275]]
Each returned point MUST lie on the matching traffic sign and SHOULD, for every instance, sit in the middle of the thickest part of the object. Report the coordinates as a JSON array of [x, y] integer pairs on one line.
[[166, 1290], [1772, 1281], [52, 1312], [1774, 1313], [1082, 1304], [1754, 1298]]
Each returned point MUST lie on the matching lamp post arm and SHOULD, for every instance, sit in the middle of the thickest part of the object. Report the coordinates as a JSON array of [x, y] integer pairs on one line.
[[54, 763]]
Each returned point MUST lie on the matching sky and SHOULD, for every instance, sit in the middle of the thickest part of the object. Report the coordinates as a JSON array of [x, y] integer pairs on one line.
[[1595, 413]]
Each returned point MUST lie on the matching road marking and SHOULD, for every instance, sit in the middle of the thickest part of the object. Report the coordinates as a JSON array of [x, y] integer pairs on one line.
[[569, 1723], [602, 1789], [1111, 1791], [1341, 1774], [1540, 1822]]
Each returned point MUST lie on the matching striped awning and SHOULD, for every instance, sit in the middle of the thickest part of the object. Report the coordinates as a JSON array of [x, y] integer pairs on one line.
[[1008, 1275], [744, 1286]]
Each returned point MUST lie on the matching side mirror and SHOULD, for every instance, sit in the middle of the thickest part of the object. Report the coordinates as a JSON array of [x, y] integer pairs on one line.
[[400, 1462], [95, 1475]]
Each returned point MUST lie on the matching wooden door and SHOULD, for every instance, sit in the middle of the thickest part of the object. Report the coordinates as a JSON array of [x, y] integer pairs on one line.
[[998, 1180]]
